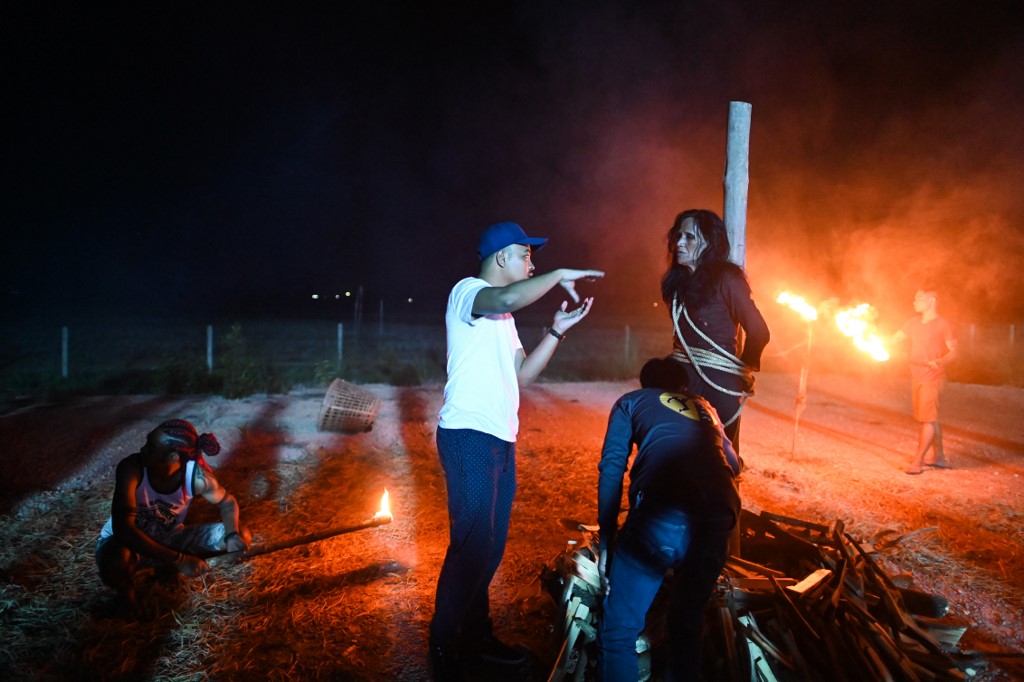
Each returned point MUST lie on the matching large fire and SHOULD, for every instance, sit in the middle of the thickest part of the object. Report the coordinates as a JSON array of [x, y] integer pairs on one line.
[[798, 304], [856, 322]]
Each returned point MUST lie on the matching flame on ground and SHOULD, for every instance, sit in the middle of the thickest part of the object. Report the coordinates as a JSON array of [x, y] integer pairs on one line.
[[798, 304], [858, 322], [385, 507]]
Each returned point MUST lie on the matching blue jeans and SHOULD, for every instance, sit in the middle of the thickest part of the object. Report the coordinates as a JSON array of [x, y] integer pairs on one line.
[[480, 476], [652, 541]]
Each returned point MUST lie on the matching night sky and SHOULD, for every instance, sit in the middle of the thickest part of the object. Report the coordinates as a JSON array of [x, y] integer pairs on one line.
[[189, 159]]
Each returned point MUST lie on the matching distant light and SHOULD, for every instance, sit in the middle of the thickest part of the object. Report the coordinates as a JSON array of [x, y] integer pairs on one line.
[[337, 296], [316, 296], [347, 294], [408, 300], [655, 304]]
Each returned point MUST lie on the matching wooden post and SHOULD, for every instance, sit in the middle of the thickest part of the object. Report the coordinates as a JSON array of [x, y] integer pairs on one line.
[[209, 349], [801, 390], [64, 352], [736, 180], [341, 341], [359, 306]]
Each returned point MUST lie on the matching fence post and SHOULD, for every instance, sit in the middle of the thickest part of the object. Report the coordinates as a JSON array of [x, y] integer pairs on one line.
[[209, 349], [341, 338], [1009, 354], [64, 352], [359, 306]]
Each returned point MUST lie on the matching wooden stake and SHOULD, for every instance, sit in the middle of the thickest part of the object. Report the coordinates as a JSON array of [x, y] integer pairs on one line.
[[801, 391], [736, 180]]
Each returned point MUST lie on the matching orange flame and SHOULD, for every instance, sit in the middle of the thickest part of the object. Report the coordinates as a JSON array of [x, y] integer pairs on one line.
[[385, 507], [798, 304], [858, 322]]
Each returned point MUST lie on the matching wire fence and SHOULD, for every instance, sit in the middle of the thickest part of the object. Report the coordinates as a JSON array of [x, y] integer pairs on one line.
[[150, 355]]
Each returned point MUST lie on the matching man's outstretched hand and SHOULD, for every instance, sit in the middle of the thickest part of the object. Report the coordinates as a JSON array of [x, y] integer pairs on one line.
[[569, 278], [565, 319]]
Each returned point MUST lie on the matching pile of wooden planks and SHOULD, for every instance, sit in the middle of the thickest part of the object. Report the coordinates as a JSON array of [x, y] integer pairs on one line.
[[806, 601], [802, 601]]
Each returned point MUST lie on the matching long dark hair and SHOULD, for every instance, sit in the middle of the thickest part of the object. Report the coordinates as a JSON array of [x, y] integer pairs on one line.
[[697, 286]]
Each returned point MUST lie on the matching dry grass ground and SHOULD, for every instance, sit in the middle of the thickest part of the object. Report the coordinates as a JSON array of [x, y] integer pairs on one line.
[[356, 607]]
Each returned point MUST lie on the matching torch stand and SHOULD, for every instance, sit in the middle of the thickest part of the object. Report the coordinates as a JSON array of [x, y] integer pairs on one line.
[[801, 391]]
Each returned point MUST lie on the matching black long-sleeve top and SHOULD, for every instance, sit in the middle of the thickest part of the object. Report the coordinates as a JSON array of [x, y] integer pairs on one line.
[[684, 459], [731, 307]]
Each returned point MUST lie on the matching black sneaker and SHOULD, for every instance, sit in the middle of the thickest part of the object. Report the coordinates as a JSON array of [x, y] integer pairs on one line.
[[492, 650], [444, 664]]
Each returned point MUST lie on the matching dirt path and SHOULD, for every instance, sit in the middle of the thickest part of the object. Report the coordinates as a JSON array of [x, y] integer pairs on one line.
[[365, 599]]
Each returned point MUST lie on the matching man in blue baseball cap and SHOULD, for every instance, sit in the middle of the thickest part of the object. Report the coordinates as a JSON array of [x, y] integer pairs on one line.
[[477, 430], [498, 236]]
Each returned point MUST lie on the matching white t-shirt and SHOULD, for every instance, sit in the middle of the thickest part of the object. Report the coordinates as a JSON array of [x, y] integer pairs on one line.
[[482, 391]]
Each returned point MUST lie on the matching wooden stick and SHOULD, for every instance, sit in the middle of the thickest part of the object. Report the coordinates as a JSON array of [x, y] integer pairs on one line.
[[801, 392], [232, 557]]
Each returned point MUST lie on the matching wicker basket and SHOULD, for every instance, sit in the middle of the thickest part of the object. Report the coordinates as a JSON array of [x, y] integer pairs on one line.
[[347, 408]]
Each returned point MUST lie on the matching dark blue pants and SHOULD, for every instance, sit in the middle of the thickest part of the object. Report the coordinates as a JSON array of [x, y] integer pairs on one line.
[[652, 541], [480, 475]]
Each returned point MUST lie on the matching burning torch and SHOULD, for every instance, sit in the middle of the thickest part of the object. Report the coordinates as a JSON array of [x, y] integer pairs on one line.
[[856, 322], [380, 518]]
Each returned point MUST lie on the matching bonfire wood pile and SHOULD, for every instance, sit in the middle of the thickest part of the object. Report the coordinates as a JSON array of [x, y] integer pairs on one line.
[[810, 602], [803, 601]]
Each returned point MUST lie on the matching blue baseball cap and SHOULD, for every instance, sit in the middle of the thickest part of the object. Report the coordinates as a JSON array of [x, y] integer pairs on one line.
[[498, 236]]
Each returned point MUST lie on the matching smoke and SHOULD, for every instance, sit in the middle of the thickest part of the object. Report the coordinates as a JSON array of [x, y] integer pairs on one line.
[[874, 170], [884, 148]]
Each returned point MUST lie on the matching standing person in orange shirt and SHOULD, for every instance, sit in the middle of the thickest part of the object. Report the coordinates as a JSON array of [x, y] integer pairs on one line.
[[932, 347]]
